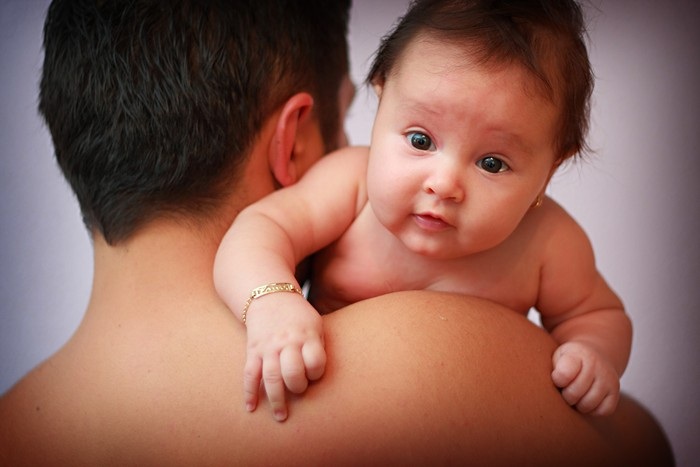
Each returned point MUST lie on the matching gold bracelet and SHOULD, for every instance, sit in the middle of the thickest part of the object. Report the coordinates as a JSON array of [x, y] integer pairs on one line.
[[272, 287]]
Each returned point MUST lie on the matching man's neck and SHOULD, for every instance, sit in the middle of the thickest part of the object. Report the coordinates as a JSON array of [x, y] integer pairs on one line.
[[169, 262], [163, 266]]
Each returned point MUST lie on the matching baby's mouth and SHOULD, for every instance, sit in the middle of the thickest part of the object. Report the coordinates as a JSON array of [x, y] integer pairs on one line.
[[431, 222]]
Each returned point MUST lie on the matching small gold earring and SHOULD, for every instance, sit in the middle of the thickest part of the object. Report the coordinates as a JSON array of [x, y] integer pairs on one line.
[[538, 201]]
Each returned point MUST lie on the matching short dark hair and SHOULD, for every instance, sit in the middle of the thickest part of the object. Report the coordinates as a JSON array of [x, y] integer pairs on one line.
[[547, 37], [153, 105]]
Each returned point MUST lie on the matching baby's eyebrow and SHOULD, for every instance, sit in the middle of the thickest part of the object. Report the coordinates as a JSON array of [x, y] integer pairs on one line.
[[420, 107], [511, 139]]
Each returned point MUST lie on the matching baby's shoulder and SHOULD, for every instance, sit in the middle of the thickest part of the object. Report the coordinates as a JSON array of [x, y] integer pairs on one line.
[[550, 216], [340, 168], [348, 157], [552, 225], [341, 171]]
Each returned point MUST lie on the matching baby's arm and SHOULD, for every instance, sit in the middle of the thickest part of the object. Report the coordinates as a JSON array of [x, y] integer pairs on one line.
[[586, 317], [264, 244]]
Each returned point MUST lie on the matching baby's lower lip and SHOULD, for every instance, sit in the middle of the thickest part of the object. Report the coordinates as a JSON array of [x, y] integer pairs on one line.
[[432, 223]]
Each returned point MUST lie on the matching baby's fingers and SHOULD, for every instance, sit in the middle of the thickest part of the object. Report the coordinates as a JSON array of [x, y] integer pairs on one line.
[[608, 406], [251, 382], [601, 398], [314, 359], [274, 387], [574, 390], [293, 372], [566, 368]]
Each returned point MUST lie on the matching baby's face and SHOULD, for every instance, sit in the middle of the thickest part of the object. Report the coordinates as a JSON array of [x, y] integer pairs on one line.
[[459, 152]]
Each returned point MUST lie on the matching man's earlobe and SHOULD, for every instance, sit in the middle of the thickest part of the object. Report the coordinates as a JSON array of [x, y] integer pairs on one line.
[[294, 113]]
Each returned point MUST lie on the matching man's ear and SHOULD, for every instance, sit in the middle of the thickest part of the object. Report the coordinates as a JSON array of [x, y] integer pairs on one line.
[[295, 113]]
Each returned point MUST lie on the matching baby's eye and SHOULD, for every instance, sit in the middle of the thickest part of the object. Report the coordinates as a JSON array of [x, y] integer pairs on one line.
[[492, 164], [420, 141]]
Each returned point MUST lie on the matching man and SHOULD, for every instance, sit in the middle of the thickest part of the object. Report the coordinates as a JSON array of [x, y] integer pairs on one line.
[[167, 119]]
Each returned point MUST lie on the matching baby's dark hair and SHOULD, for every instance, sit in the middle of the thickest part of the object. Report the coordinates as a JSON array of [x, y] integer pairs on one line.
[[546, 37], [153, 105]]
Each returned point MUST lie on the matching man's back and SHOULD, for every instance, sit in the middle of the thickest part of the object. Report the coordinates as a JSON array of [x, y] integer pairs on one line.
[[152, 376]]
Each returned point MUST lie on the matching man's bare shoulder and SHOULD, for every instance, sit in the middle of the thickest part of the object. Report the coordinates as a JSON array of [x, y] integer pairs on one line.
[[128, 385], [476, 377], [33, 417], [412, 377]]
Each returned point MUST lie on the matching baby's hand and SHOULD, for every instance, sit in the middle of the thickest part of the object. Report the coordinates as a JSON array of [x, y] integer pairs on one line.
[[285, 348], [588, 381]]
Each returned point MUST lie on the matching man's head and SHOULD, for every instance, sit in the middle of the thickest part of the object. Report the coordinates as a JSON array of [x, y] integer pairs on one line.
[[154, 105]]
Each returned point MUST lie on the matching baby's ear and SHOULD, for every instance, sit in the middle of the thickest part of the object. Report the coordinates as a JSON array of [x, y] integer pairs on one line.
[[294, 115], [558, 163]]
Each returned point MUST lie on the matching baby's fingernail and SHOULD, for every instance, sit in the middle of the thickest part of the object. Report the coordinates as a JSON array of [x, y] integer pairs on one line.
[[280, 415], [250, 407]]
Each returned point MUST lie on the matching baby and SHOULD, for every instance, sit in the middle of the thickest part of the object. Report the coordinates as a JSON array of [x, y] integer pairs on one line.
[[479, 104]]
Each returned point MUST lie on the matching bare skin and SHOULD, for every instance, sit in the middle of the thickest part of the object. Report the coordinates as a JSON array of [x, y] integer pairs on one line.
[[449, 197], [190, 411], [152, 375]]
